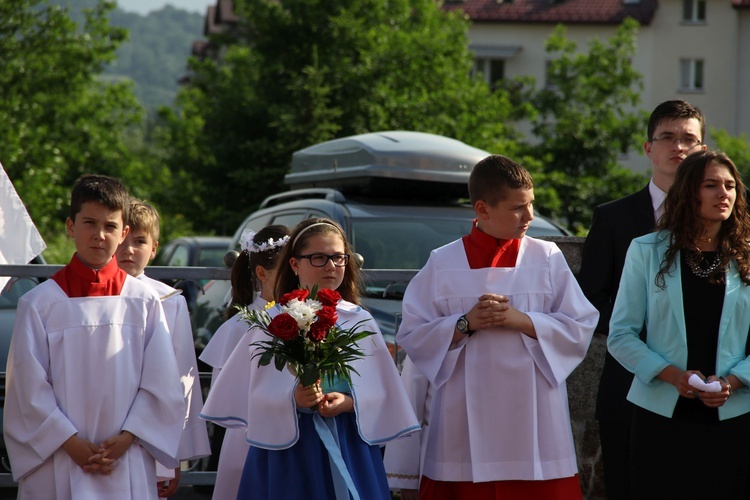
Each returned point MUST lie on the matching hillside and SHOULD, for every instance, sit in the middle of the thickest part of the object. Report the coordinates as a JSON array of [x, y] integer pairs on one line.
[[156, 54]]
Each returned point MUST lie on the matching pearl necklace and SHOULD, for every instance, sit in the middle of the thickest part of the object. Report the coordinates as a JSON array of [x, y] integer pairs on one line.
[[692, 262]]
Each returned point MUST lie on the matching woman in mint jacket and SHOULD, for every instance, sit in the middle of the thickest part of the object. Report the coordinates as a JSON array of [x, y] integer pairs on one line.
[[688, 282]]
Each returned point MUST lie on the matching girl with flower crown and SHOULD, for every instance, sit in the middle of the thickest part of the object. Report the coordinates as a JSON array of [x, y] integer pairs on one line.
[[253, 278], [321, 441]]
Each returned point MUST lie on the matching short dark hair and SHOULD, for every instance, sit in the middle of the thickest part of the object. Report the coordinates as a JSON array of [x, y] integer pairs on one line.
[[674, 110], [102, 189], [494, 176]]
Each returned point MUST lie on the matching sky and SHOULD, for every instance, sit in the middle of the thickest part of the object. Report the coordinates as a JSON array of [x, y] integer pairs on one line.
[[146, 6]]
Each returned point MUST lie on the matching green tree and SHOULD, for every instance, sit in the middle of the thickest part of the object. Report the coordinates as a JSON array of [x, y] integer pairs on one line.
[[304, 71], [57, 120], [586, 118], [736, 147]]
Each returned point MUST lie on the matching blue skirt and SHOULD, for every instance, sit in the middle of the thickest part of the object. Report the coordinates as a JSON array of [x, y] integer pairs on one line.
[[304, 471]]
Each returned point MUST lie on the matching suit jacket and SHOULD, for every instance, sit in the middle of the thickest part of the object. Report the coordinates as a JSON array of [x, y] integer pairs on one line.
[[663, 310], [613, 227]]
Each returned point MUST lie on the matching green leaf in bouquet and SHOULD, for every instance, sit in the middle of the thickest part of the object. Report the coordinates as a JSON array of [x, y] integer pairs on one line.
[[265, 358], [280, 361], [309, 374]]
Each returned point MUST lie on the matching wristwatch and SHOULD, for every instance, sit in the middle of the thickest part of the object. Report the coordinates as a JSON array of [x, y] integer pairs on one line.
[[462, 325]]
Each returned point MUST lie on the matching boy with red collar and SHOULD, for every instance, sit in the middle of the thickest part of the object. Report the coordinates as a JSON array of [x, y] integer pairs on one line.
[[92, 389], [496, 322]]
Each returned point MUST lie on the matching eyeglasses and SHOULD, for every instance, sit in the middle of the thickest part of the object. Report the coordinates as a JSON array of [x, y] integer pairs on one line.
[[321, 259], [687, 141]]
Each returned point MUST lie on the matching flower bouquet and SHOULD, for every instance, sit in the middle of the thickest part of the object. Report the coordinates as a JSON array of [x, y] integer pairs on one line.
[[306, 338]]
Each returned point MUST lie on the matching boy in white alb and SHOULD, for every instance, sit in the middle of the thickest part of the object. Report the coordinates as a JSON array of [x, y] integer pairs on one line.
[[497, 322], [133, 254], [92, 394]]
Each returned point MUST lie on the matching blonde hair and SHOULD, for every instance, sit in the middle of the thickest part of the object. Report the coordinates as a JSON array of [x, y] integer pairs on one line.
[[143, 217]]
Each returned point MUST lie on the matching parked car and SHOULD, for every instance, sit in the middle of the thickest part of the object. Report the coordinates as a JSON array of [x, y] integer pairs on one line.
[[386, 234], [8, 304], [398, 195], [194, 251]]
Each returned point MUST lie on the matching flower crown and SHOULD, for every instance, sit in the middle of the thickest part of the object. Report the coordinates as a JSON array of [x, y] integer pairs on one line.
[[248, 245]]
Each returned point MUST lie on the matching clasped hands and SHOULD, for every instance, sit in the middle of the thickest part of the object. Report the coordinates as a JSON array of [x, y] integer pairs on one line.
[[493, 310], [98, 459], [327, 405], [710, 399]]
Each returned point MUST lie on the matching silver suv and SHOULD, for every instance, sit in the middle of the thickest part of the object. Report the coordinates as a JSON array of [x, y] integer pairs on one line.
[[397, 194], [387, 234]]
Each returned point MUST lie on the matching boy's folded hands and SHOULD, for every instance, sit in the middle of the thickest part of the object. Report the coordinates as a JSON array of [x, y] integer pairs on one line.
[[88, 455], [94, 459]]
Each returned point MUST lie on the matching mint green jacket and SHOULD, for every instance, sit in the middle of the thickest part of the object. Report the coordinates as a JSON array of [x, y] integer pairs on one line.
[[640, 301]]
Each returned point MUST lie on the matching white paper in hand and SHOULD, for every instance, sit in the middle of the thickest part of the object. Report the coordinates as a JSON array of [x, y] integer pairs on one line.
[[699, 384]]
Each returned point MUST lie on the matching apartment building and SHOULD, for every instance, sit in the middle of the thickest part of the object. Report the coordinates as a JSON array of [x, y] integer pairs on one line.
[[697, 50]]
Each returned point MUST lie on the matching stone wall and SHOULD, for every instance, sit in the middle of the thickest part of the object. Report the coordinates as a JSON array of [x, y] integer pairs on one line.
[[582, 387]]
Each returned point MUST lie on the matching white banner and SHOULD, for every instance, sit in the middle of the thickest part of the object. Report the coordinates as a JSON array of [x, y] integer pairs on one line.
[[20, 241]]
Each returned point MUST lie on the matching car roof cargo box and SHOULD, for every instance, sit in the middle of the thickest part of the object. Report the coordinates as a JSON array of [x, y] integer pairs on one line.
[[387, 164]]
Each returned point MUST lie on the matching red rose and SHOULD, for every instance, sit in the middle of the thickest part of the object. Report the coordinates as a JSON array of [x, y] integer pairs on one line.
[[300, 293], [328, 297], [327, 316], [318, 331], [284, 327]]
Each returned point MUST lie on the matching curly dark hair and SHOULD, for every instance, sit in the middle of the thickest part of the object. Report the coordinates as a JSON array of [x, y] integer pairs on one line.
[[682, 209]]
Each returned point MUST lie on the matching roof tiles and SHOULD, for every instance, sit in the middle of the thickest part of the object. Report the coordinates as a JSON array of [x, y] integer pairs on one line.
[[549, 11]]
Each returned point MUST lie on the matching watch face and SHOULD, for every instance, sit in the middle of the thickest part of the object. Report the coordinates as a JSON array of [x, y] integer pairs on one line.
[[462, 325]]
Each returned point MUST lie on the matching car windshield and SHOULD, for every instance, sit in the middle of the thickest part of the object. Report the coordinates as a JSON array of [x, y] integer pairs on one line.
[[403, 243]]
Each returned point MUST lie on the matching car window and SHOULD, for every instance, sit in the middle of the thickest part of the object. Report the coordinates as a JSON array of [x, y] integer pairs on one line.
[[403, 243], [162, 257], [290, 219], [9, 297], [179, 257], [212, 257], [258, 223]]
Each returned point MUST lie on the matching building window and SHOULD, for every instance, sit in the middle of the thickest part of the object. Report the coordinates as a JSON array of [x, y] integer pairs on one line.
[[490, 70], [694, 11], [691, 75]]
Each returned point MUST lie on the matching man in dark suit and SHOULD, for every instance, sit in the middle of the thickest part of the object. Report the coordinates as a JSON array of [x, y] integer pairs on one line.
[[675, 129]]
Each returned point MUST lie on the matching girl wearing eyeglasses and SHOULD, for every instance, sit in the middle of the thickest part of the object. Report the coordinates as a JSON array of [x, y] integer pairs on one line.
[[320, 442]]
